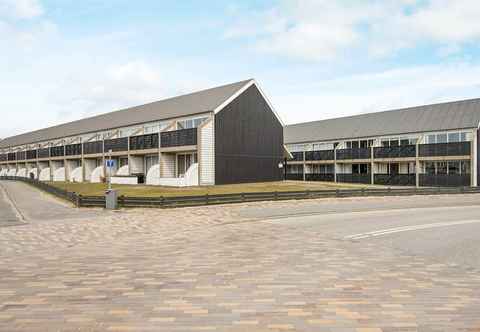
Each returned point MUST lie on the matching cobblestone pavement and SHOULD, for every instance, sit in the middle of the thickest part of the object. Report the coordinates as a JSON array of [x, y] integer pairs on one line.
[[213, 269]]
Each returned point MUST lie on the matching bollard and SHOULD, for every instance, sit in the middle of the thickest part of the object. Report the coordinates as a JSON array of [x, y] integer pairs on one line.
[[111, 199]]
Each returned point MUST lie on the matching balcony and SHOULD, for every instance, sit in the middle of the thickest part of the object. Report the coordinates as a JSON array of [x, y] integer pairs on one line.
[[3, 157], [144, 142], [182, 137], [43, 153], [297, 156], [31, 154], [93, 147], [12, 156], [320, 155], [57, 151], [325, 177], [444, 180], [355, 153], [73, 150], [21, 155], [395, 179], [116, 144], [401, 151], [365, 178], [444, 149]]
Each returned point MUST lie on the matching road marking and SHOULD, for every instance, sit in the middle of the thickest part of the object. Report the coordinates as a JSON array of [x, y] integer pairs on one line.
[[9, 200], [408, 228]]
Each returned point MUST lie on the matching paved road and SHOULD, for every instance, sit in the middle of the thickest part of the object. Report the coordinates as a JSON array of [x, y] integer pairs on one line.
[[8, 213], [393, 265]]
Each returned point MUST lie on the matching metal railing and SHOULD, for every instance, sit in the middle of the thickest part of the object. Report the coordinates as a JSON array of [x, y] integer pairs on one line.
[[183, 201], [395, 179], [355, 153], [365, 178], [444, 149], [182, 137], [444, 180], [320, 155], [326, 177], [401, 151]]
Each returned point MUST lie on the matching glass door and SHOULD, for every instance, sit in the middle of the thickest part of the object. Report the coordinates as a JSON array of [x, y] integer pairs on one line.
[[184, 161]]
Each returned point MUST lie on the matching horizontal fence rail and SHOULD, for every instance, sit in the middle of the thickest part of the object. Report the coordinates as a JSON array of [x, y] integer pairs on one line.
[[185, 201]]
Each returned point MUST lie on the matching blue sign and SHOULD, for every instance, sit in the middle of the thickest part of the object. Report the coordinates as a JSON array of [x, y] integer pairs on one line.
[[110, 163]]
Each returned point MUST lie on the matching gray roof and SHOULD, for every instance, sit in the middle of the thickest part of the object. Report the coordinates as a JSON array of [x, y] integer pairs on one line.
[[193, 103], [445, 116]]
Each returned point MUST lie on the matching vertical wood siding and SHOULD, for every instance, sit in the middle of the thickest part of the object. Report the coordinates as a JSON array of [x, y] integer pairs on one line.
[[207, 154], [248, 141]]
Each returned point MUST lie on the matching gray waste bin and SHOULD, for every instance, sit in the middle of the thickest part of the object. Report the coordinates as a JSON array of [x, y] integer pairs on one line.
[[111, 199]]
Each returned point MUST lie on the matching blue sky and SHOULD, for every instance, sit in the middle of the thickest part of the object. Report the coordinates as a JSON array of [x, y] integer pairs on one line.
[[61, 60]]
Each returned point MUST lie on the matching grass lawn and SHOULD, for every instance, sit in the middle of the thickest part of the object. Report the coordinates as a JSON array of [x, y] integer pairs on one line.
[[96, 189]]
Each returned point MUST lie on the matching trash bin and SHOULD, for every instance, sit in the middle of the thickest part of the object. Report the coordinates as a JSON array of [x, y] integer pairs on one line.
[[111, 199]]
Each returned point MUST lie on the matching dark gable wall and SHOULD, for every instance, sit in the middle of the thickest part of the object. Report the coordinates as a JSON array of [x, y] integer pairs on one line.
[[248, 141]]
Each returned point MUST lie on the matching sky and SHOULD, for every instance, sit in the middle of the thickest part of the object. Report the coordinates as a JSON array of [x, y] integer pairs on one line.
[[62, 60]]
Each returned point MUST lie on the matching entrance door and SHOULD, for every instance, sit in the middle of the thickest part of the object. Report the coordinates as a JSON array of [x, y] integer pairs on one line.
[[184, 161], [394, 169]]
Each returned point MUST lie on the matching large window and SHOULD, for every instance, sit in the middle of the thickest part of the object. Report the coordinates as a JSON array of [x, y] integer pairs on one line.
[[430, 167], [190, 123], [446, 138], [454, 167]]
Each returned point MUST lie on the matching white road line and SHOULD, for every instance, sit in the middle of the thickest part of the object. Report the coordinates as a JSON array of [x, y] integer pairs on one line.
[[408, 228]]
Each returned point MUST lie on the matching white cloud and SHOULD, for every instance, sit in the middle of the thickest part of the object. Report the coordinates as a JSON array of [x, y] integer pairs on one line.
[[323, 29], [20, 9], [377, 91]]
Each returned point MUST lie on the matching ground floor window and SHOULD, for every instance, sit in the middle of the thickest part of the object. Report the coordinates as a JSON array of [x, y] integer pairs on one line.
[[453, 167], [322, 169], [360, 168], [294, 169], [150, 161]]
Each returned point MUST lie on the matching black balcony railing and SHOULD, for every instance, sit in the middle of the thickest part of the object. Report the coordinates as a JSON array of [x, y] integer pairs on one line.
[[360, 153], [73, 150], [116, 144], [3, 157], [12, 156], [297, 156], [444, 180], [294, 176], [144, 142], [395, 179], [57, 151], [93, 147], [365, 178], [21, 155], [444, 149], [182, 137], [320, 155], [31, 154], [327, 177], [401, 151], [44, 153]]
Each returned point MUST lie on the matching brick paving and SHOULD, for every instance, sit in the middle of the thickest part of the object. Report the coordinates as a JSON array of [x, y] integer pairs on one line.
[[209, 269]]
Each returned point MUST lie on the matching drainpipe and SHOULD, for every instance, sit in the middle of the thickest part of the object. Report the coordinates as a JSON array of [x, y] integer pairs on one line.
[[372, 172]]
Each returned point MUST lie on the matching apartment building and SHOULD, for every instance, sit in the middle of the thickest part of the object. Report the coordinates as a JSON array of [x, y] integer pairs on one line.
[[432, 145], [227, 134]]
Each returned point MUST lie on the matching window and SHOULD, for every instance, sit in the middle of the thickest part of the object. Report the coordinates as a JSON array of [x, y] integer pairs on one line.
[[371, 142], [394, 142], [385, 143], [430, 167], [349, 144], [465, 167], [404, 141], [463, 137], [453, 167], [363, 144], [442, 138], [431, 139], [363, 168], [355, 145], [413, 141], [355, 169], [442, 167], [453, 137]]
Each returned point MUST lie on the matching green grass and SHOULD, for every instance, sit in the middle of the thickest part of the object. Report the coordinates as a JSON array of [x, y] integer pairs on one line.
[[97, 189]]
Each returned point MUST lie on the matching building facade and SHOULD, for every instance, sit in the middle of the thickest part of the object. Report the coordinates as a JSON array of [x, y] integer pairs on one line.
[[433, 145], [208, 137]]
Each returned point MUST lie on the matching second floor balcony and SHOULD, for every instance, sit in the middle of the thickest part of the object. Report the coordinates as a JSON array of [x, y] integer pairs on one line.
[[399, 151], [181, 137], [354, 153], [320, 155], [444, 149]]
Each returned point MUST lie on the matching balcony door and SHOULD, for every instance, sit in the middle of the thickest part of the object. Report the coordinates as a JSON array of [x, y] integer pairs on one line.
[[184, 161]]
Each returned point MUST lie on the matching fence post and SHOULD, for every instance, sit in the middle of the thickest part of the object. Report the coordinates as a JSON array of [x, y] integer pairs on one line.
[[243, 197], [78, 202], [206, 199], [337, 193], [275, 196]]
